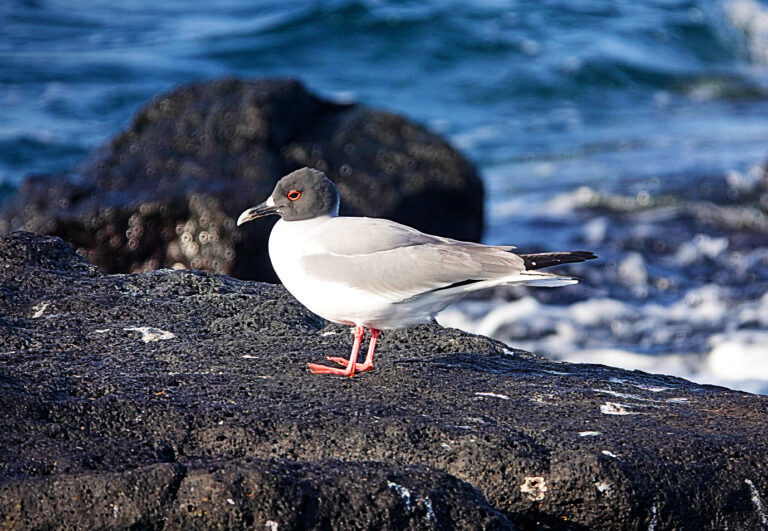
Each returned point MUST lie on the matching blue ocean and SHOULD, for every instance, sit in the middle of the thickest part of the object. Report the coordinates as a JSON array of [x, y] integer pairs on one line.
[[635, 129]]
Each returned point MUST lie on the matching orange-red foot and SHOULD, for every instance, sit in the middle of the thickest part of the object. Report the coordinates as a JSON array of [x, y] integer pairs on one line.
[[350, 365], [359, 367], [316, 368]]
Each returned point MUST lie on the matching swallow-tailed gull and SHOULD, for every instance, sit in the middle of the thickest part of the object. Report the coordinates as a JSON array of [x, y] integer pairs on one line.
[[378, 274]]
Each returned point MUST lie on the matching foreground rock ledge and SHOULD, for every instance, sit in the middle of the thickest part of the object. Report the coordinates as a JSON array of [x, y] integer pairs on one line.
[[181, 399]]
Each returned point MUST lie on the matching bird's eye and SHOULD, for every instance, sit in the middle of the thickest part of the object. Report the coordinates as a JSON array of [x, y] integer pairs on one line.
[[293, 195]]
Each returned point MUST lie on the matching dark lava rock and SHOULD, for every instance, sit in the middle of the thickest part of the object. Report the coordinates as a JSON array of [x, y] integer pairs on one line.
[[167, 191], [182, 400]]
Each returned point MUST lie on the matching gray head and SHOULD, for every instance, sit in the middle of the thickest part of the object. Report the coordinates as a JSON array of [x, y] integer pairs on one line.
[[304, 194]]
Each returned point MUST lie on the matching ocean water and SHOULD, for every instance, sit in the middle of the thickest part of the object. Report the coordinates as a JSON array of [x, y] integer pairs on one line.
[[638, 130]]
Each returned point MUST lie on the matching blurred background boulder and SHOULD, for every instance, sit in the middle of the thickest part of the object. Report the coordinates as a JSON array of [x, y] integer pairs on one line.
[[166, 191]]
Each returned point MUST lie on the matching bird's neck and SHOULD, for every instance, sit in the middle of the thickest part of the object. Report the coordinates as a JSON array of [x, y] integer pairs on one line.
[[289, 238]]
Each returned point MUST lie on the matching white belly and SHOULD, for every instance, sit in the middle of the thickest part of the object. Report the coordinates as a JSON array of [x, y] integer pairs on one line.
[[334, 301]]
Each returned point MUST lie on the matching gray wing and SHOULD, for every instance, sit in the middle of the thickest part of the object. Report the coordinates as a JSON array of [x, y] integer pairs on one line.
[[399, 262], [353, 236]]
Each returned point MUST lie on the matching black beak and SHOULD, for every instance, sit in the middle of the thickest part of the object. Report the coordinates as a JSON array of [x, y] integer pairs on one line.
[[256, 212]]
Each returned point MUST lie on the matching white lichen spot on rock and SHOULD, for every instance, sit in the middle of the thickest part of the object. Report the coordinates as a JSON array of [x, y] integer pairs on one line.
[[627, 396], [677, 400], [645, 387], [39, 309], [430, 517], [589, 433], [614, 408], [620, 395], [411, 499], [492, 395], [602, 486], [654, 518], [534, 487], [651, 388], [271, 525], [757, 501], [404, 493], [149, 334]]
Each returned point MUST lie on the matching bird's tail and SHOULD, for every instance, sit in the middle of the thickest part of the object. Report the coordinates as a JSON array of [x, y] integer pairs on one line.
[[541, 260]]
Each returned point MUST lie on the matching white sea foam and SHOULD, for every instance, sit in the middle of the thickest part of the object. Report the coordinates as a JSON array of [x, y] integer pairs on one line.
[[567, 202], [746, 181], [700, 247], [739, 354], [750, 17]]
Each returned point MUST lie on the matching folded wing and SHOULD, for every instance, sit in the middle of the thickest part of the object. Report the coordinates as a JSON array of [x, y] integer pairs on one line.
[[399, 262]]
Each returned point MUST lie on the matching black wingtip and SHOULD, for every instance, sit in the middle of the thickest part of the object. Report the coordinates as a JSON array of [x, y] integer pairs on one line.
[[584, 255], [542, 260]]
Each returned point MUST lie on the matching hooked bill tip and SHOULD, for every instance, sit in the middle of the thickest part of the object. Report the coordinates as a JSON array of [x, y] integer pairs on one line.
[[246, 216]]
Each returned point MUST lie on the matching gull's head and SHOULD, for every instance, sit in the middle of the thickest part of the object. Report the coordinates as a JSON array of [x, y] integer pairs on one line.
[[304, 194]]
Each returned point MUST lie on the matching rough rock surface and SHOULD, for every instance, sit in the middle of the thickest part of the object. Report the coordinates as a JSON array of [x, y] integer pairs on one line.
[[168, 189], [182, 400]]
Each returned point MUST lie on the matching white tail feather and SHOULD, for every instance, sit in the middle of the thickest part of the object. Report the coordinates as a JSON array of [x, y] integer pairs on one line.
[[551, 282], [528, 278]]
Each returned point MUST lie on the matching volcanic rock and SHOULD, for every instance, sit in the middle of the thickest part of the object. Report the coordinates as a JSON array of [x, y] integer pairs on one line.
[[181, 399]]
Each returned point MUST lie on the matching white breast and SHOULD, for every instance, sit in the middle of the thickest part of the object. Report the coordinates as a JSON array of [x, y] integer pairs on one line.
[[289, 242]]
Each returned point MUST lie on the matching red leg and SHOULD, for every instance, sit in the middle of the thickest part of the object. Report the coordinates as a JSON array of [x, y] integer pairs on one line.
[[368, 364], [351, 364]]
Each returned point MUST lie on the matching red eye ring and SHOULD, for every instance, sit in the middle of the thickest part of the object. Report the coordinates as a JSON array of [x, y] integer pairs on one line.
[[293, 195]]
